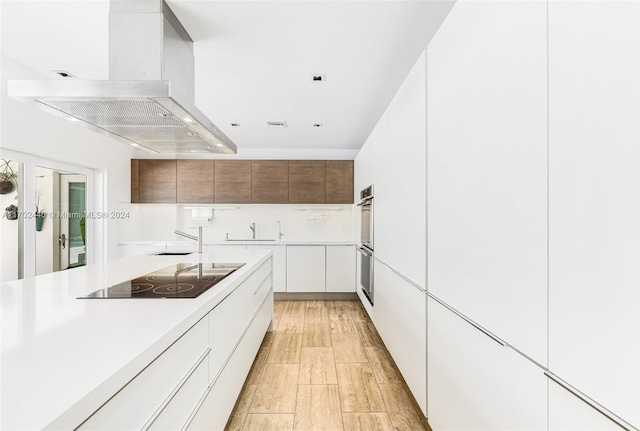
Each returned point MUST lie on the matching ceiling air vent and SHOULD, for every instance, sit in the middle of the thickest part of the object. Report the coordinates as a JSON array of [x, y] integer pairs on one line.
[[281, 124]]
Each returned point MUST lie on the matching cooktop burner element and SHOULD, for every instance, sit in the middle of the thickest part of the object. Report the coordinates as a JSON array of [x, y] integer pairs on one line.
[[183, 280]]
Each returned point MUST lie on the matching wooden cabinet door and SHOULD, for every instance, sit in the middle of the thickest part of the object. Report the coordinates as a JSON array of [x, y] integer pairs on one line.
[[195, 181], [339, 181], [270, 181], [307, 181], [157, 181], [233, 181], [135, 181]]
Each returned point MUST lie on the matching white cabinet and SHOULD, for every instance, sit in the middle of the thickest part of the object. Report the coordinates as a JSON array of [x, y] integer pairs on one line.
[[402, 319], [279, 265], [370, 165], [305, 268], [341, 268], [568, 413], [400, 202], [474, 383], [487, 168], [594, 210]]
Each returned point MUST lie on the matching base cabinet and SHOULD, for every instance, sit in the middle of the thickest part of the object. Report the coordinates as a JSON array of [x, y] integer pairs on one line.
[[305, 268], [569, 413], [476, 383], [400, 316], [279, 264], [340, 270], [195, 382], [216, 407]]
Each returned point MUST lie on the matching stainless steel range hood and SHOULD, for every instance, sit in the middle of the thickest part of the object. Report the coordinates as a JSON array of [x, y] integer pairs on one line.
[[148, 100]]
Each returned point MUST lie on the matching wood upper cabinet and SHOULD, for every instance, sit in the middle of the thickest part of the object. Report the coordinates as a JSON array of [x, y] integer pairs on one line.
[[135, 181], [195, 181], [270, 181], [307, 181], [339, 181], [233, 181], [157, 181]]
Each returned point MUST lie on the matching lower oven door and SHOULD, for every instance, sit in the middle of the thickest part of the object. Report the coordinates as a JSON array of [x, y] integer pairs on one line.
[[366, 272]]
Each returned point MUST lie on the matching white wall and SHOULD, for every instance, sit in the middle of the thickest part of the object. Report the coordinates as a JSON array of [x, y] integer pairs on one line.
[[150, 222]]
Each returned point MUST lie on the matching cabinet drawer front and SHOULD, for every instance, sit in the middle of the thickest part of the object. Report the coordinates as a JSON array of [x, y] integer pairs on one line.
[[174, 416], [137, 402], [217, 406], [230, 318]]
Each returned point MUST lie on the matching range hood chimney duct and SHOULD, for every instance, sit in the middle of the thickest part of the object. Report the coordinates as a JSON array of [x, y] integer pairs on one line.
[[148, 100]]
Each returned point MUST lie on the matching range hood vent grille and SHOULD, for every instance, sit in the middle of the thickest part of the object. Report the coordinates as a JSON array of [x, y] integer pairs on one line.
[[148, 100]]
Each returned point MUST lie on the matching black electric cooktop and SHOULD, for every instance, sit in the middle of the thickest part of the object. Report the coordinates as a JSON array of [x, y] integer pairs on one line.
[[183, 280]]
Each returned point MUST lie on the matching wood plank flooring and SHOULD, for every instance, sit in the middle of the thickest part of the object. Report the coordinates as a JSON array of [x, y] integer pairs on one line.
[[324, 367]]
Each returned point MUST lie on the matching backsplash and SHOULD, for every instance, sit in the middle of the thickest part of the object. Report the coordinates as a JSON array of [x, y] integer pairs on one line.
[[156, 222]]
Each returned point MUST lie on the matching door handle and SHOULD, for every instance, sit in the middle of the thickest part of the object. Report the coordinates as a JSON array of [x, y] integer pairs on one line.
[[62, 240]]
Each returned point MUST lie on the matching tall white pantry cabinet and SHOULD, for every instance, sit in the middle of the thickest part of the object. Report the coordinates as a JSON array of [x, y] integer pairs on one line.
[[530, 151]]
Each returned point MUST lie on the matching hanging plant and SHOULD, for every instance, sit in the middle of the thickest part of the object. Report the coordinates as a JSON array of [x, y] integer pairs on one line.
[[7, 177], [11, 212]]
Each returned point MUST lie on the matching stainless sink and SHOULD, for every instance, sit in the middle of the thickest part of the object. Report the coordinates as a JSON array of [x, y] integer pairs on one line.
[[174, 253]]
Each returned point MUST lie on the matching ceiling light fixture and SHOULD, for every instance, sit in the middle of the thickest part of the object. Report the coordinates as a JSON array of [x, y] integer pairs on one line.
[[235, 124], [317, 125], [318, 78], [72, 119], [187, 120]]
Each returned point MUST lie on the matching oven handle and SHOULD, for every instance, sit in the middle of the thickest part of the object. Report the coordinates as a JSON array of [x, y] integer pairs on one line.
[[365, 252]]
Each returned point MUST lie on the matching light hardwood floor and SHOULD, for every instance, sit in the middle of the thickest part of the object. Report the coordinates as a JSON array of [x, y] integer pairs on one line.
[[324, 367]]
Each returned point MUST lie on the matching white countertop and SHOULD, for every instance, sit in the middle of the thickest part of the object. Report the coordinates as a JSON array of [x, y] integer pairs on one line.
[[63, 357]]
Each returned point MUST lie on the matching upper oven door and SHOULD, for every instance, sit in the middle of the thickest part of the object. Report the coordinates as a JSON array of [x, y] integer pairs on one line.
[[366, 223]]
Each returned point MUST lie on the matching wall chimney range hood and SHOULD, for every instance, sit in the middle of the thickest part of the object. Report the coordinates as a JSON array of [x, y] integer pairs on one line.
[[148, 100]]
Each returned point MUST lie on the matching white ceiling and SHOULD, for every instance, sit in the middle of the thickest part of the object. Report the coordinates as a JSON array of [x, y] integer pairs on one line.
[[254, 61]]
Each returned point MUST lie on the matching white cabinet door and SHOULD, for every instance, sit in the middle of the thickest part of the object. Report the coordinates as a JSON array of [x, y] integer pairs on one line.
[[487, 168], [305, 268], [568, 413], [370, 165], [474, 383], [382, 298], [279, 265], [400, 205], [406, 330], [594, 210], [341, 268]]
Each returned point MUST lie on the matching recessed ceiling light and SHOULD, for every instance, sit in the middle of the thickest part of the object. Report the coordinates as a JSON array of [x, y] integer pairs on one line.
[[163, 114], [135, 145], [191, 134], [187, 120], [318, 78], [235, 124], [317, 125], [219, 145], [72, 119]]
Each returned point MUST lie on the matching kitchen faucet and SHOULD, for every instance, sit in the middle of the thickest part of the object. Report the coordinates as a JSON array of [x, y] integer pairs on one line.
[[253, 229], [280, 234], [193, 237]]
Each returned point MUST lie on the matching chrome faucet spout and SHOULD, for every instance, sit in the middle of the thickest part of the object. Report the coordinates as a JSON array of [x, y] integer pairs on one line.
[[193, 237], [280, 234]]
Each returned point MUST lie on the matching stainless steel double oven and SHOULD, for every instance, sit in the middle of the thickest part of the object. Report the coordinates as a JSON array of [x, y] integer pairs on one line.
[[366, 242]]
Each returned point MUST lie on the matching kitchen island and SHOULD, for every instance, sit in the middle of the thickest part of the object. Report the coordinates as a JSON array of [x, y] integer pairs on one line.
[[134, 363]]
